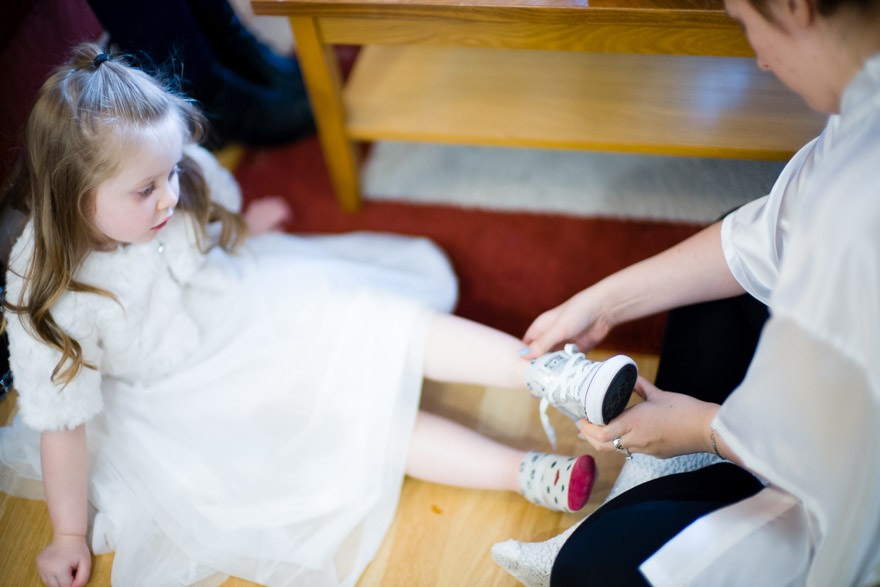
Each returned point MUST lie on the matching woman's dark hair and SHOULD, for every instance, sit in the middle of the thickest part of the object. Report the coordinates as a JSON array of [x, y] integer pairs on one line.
[[825, 8]]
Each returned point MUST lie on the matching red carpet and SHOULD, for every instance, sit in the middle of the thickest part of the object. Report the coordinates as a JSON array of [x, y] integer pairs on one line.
[[511, 266]]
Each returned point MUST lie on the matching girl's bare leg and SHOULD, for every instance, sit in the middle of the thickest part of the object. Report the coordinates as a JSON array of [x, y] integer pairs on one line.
[[442, 451], [459, 350], [462, 351]]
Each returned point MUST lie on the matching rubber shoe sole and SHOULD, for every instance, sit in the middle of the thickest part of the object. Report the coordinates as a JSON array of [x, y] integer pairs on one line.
[[617, 376]]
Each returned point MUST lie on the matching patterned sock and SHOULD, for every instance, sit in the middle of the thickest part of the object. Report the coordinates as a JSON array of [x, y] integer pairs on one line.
[[557, 482]]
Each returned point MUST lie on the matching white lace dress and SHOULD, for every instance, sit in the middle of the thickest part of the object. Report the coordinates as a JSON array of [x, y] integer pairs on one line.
[[251, 413]]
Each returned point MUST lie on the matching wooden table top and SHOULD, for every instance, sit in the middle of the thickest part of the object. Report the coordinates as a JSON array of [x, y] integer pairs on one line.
[[690, 27], [700, 5], [287, 7]]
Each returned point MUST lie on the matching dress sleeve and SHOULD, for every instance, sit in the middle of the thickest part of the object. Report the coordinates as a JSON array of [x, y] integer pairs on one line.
[[44, 405], [753, 237], [812, 432]]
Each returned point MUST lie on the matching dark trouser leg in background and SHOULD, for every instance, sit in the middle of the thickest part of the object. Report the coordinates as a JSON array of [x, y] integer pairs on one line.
[[249, 95], [156, 32], [706, 352], [241, 50]]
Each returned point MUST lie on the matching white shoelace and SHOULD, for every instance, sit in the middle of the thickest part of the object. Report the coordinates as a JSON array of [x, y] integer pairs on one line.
[[545, 422], [578, 368]]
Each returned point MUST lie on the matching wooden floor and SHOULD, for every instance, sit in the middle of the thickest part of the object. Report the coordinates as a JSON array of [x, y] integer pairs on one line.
[[441, 535]]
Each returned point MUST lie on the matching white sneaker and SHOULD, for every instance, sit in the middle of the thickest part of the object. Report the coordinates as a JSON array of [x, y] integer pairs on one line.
[[581, 388]]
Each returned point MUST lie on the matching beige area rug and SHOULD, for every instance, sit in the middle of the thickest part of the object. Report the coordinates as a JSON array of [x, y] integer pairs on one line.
[[578, 183]]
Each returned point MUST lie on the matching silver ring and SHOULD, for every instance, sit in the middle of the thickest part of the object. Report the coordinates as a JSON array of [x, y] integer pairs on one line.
[[617, 446], [629, 455]]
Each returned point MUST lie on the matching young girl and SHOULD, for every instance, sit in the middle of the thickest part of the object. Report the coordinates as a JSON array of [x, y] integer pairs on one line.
[[249, 410]]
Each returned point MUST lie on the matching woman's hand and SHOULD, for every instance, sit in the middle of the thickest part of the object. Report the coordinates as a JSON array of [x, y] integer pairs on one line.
[[66, 562], [577, 320], [267, 214], [665, 425]]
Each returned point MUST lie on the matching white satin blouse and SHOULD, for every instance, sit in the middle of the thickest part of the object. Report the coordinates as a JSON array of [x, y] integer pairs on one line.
[[807, 416]]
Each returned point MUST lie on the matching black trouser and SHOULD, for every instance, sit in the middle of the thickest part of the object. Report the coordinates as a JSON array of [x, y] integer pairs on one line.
[[706, 351], [707, 347]]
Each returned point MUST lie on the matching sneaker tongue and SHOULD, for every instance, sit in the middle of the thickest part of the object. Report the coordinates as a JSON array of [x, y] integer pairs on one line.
[[545, 422]]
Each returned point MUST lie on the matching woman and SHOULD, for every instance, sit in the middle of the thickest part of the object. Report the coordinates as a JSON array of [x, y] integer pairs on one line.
[[803, 506]]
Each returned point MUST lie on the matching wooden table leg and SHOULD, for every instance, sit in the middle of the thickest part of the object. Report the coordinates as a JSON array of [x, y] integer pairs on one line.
[[323, 80]]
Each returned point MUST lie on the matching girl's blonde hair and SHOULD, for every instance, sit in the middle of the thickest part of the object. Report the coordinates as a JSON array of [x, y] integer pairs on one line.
[[69, 150]]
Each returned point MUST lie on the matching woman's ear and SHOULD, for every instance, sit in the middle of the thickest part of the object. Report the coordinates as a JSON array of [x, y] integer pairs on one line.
[[800, 13]]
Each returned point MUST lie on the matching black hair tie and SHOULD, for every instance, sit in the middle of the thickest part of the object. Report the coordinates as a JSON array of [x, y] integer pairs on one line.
[[99, 59]]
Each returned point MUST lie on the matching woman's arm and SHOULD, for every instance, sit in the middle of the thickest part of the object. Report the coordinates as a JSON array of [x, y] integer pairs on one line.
[[692, 271], [66, 562]]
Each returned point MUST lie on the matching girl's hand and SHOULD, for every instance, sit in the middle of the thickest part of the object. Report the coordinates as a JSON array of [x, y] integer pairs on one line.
[[66, 562], [267, 214], [578, 320], [665, 425]]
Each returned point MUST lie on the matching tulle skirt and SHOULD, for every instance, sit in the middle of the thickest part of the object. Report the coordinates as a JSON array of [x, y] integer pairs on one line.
[[278, 454]]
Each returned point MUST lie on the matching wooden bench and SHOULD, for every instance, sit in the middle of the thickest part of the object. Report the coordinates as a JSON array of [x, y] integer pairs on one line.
[[669, 77]]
